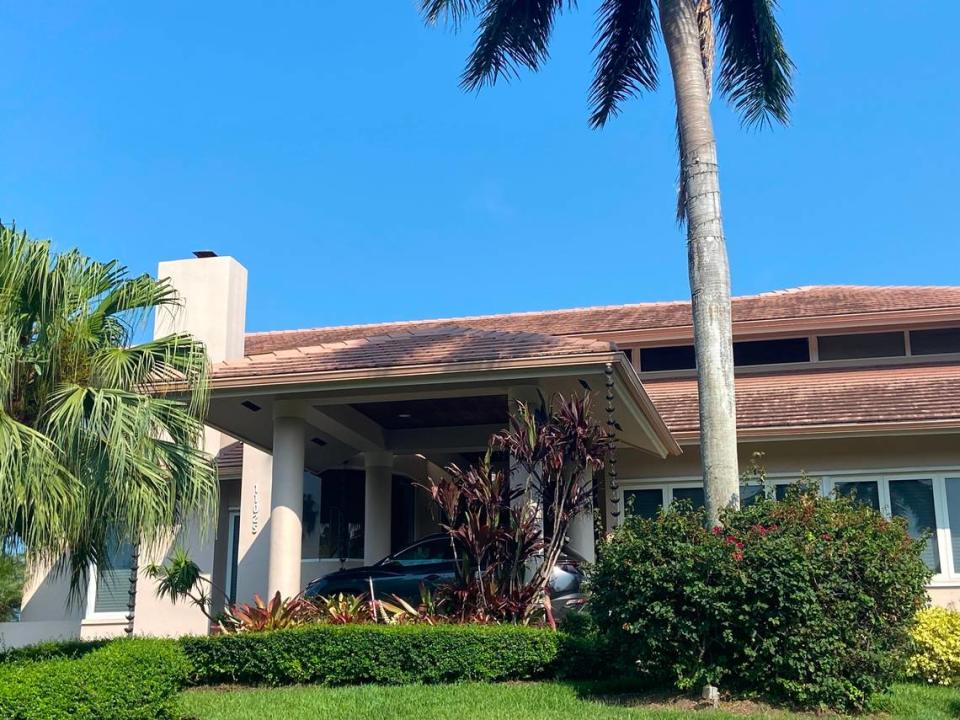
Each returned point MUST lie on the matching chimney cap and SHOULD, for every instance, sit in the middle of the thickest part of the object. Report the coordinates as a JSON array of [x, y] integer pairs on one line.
[[204, 253]]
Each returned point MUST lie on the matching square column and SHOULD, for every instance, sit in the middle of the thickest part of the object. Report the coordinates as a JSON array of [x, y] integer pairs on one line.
[[377, 499], [580, 532], [286, 504]]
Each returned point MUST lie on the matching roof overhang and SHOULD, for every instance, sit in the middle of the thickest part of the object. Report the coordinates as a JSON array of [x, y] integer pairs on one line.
[[330, 397]]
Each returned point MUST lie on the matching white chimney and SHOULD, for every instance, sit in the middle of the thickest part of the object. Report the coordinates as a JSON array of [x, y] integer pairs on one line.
[[213, 293]]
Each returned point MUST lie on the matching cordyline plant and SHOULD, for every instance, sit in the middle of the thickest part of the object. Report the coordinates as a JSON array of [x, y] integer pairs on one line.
[[510, 525]]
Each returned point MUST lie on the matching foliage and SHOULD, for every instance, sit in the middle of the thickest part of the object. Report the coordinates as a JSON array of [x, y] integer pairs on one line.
[[936, 657], [810, 599], [125, 680], [510, 535], [276, 614], [754, 74], [343, 609], [181, 579], [92, 452], [51, 649], [372, 653], [12, 577]]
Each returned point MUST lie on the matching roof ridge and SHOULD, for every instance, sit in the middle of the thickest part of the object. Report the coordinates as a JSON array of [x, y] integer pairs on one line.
[[557, 311]]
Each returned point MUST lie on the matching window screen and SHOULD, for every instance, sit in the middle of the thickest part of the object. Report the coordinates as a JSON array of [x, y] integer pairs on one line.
[[769, 352], [932, 342], [861, 345], [674, 357], [913, 501], [643, 503]]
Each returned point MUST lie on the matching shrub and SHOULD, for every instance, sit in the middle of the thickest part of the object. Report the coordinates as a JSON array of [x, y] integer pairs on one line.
[[936, 658], [51, 649], [124, 680], [810, 599], [386, 654]]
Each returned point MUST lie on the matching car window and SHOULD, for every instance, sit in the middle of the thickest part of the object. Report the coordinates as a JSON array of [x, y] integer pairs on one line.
[[426, 552]]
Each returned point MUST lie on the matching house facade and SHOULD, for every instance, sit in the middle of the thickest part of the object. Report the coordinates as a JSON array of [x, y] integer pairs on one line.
[[322, 436]]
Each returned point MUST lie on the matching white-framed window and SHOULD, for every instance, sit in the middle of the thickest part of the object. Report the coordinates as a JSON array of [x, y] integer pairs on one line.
[[108, 590], [928, 501]]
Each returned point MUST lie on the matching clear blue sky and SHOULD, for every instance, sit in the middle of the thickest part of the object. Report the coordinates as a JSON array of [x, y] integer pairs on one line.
[[327, 146]]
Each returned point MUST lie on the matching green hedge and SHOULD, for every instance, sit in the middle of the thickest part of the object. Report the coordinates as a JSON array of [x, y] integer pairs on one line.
[[52, 649], [351, 654], [811, 599], [124, 680]]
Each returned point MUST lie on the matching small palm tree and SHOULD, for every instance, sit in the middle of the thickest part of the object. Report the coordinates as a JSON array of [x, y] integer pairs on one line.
[[754, 75], [90, 455]]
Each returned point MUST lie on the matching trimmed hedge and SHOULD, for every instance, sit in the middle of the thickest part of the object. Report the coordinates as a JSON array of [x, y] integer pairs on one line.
[[52, 649], [124, 680], [385, 654]]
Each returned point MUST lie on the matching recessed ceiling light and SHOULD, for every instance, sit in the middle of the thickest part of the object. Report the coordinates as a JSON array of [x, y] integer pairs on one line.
[[404, 416], [252, 406]]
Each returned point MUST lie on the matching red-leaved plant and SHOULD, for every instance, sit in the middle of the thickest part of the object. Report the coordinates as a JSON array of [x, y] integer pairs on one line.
[[276, 614], [508, 525]]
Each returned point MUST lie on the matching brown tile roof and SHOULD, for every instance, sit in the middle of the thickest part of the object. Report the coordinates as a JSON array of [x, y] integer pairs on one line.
[[808, 399], [798, 303], [229, 460], [411, 346]]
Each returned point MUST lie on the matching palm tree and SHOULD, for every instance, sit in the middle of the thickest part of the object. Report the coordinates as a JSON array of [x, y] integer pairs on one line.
[[754, 75], [90, 454]]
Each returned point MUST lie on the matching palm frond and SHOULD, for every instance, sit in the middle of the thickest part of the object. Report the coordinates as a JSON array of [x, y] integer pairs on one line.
[[755, 70], [626, 56], [453, 12], [512, 33]]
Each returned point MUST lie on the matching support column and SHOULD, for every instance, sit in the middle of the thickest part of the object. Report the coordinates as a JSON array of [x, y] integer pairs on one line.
[[582, 538], [286, 505], [377, 496]]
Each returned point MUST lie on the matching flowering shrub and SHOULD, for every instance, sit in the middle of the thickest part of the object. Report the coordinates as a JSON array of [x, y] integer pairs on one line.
[[936, 658], [810, 599]]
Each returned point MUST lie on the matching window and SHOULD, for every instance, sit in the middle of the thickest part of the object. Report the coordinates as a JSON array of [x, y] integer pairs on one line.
[[339, 532], [749, 494], [674, 357], [425, 553], [933, 342], [110, 586], [913, 501], [770, 352], [692, 494], [233, 554], [866, 492], [861, 345], [953, 520], [643, 503]]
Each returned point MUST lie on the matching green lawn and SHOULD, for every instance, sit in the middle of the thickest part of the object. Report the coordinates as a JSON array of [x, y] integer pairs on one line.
[[519, 701]]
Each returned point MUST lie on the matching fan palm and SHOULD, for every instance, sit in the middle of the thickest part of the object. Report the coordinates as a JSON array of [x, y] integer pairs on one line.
[[90, 455], [754, 75]]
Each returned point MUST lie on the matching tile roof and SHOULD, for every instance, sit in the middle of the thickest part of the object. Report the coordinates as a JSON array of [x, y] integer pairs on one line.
[[798, 303], [230, 460], [808, 399], [411, 346]]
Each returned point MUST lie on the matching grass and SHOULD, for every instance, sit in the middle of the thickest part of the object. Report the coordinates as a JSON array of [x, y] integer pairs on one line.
[[515, 701]]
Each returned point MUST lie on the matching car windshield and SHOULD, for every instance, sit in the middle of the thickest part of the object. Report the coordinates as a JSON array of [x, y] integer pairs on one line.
[[430, 551]]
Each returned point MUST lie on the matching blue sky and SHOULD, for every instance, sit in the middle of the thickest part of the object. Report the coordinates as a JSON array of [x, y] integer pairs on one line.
[[330, 150]]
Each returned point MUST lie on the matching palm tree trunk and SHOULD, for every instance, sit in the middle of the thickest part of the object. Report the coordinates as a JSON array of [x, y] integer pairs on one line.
[[707, 258]]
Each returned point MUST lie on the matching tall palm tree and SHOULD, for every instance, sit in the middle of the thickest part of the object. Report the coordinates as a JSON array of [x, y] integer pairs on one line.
[[754, 75], [90, 455]]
